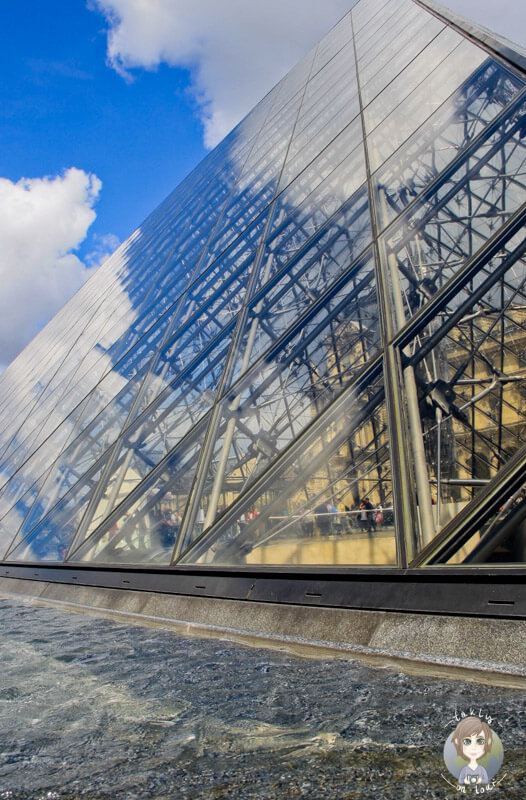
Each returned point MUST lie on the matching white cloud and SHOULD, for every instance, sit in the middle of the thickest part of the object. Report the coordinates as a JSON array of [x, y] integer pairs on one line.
[[102, 246], [237, 49], [42, 220]]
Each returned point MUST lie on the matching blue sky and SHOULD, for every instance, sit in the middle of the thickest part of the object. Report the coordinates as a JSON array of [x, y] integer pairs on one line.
[[64, 106], [106, 106]]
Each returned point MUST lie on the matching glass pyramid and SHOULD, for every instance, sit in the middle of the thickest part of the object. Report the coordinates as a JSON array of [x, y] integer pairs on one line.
[[314, 351]]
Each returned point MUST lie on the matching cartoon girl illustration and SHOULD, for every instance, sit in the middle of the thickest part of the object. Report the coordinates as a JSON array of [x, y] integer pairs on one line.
[[472, 739]]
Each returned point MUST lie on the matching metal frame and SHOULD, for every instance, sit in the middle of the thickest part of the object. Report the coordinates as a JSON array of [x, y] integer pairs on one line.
[[495, 593]]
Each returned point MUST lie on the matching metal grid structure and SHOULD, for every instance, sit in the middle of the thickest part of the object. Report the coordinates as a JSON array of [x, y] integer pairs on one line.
[[311, 358]]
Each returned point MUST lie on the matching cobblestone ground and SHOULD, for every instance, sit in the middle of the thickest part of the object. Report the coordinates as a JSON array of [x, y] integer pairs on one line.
[[93, 709]]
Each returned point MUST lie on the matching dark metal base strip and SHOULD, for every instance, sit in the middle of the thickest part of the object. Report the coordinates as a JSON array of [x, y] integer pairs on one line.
[[487, 593]]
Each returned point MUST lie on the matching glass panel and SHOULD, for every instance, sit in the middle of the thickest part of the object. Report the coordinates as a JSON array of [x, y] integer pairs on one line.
[[199, 379], [410, 111], [470, 372], [104, 430], [329, 46], [295, 80], [371, 13], [295, 225], [257, 184], [327, 158], [501, 538], [327, 502], [323, 123], [389, 29], [63, 411], [394, 52], [15, 479], [113, 309], [451, 129], [285, 297], [24, 485], [6, 537], [337, 72], [218, 293], [429, 58], [14, 517], [315, 359], [160, 428], [81, 453], [222, 288], [113, 385], [145, 526], [20, 398], [51, 538], [451, 223]]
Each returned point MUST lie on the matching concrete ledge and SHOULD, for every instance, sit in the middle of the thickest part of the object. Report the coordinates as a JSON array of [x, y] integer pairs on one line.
[[482, 649]]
